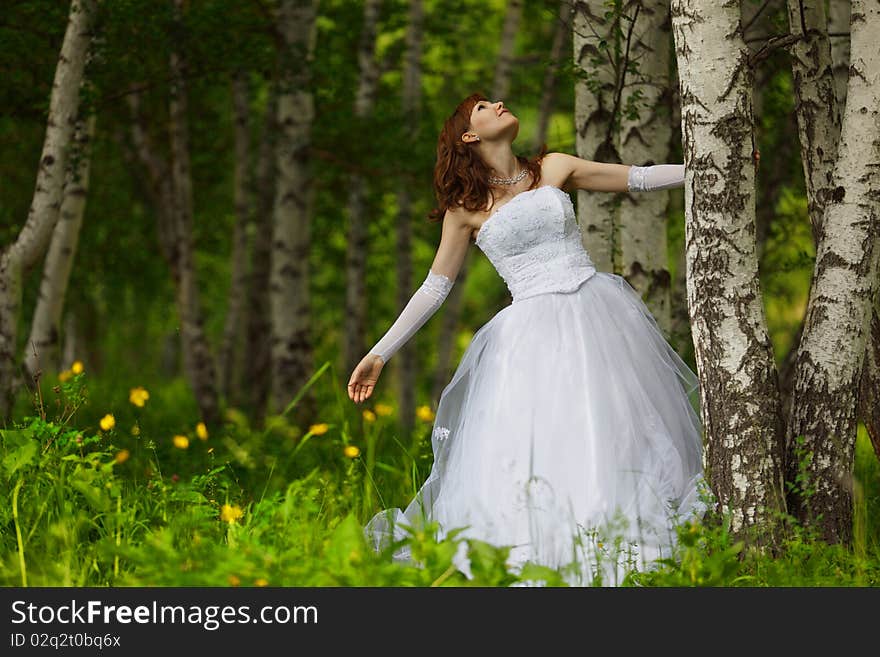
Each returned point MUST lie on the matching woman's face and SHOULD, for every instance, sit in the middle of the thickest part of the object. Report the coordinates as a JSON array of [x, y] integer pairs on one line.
[[490, 121]]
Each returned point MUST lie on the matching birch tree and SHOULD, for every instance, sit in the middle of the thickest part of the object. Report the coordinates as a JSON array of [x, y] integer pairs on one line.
[[43, 345], [232, 345], [593, 30], [504, 64], [258, 355], [289, 280], [561, 34], [410, 102], [197, 355], [644, 139], [821, 433], [838, 32], [816, 104], [739, 395], [357, 240], [18, 258]]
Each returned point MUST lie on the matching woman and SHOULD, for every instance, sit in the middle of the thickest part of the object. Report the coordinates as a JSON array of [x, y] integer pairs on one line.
[[568, 430]]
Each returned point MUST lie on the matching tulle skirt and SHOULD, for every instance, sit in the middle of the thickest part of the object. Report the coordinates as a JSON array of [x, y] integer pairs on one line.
[[570, 432]]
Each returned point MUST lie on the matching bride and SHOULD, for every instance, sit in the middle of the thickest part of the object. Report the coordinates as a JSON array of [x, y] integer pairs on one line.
[[570, 429]]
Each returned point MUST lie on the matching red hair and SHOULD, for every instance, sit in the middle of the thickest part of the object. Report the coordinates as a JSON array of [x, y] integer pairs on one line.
[[460, 175]]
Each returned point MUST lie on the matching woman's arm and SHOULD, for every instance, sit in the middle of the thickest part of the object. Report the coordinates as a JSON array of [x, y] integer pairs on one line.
[[454, 243], [611, 177]]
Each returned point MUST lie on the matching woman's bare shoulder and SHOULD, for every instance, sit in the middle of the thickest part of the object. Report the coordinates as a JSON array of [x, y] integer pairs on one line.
[[460, 219]]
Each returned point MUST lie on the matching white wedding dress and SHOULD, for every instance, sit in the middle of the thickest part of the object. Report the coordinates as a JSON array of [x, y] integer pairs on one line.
[[569, 420]]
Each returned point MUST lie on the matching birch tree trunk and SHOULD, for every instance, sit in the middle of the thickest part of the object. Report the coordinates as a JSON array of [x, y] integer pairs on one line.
[[452, 307], [289, 280], [644, 140], [504, 64], [197, 357], [816, 104], [411, 110], [258, 358], [845, 280], [19, 257], [594, 113], [838, 29], [818, 120], [43, 346], [358, 233], [869, 392], [232, 345], [735, 360], [561, 33]]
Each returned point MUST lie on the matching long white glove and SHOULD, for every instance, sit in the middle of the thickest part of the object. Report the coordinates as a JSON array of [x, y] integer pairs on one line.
[[421, 306], [654, 177]]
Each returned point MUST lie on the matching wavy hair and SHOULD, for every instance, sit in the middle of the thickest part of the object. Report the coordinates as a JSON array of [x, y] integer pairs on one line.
[[460, 174]]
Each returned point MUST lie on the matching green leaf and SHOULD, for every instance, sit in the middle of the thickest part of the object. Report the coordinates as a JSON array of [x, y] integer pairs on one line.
[[19, 458]]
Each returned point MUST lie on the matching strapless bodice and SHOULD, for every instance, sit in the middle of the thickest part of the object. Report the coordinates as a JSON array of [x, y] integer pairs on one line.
[[534, 243]]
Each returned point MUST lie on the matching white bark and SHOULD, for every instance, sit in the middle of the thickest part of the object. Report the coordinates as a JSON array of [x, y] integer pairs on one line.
[[735, 361], [838, 28], [644, 140], [596, 140], [816, 107], [19, 257], [42, 348], [845, 281], [289, 282]]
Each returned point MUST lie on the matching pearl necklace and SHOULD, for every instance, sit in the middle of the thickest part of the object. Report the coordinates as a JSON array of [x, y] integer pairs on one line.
[[508, 181]]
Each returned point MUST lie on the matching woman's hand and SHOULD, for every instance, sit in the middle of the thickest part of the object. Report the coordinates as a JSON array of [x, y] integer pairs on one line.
[[364, 377]]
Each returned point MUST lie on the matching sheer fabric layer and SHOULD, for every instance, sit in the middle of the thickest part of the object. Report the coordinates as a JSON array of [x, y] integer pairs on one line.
[[569, 420]]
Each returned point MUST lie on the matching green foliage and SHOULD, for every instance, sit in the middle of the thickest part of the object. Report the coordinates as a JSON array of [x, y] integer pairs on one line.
[[292, 513]]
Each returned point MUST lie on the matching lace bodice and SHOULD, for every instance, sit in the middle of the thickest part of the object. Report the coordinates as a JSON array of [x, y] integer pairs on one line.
[[534, 243]]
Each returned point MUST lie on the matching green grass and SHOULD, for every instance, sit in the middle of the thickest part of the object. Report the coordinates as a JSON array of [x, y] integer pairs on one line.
[[285, 505]]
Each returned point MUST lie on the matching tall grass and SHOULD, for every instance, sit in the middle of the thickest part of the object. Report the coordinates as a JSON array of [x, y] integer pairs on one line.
[[95, 500]]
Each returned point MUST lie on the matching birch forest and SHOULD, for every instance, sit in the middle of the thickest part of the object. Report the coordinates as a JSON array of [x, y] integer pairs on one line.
[[210, 210]]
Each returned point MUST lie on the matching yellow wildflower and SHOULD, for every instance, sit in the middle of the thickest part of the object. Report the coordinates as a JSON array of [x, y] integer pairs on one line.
[[230, 513], [384, 409], [63, 376], [138, 396], [425, 413], [122, 456], [135, 430], [77, 367], [351, 451], [260, 581], [181, 441], [369, 415], [108, 422], [318, 429], [234, 580], [202, 431]]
